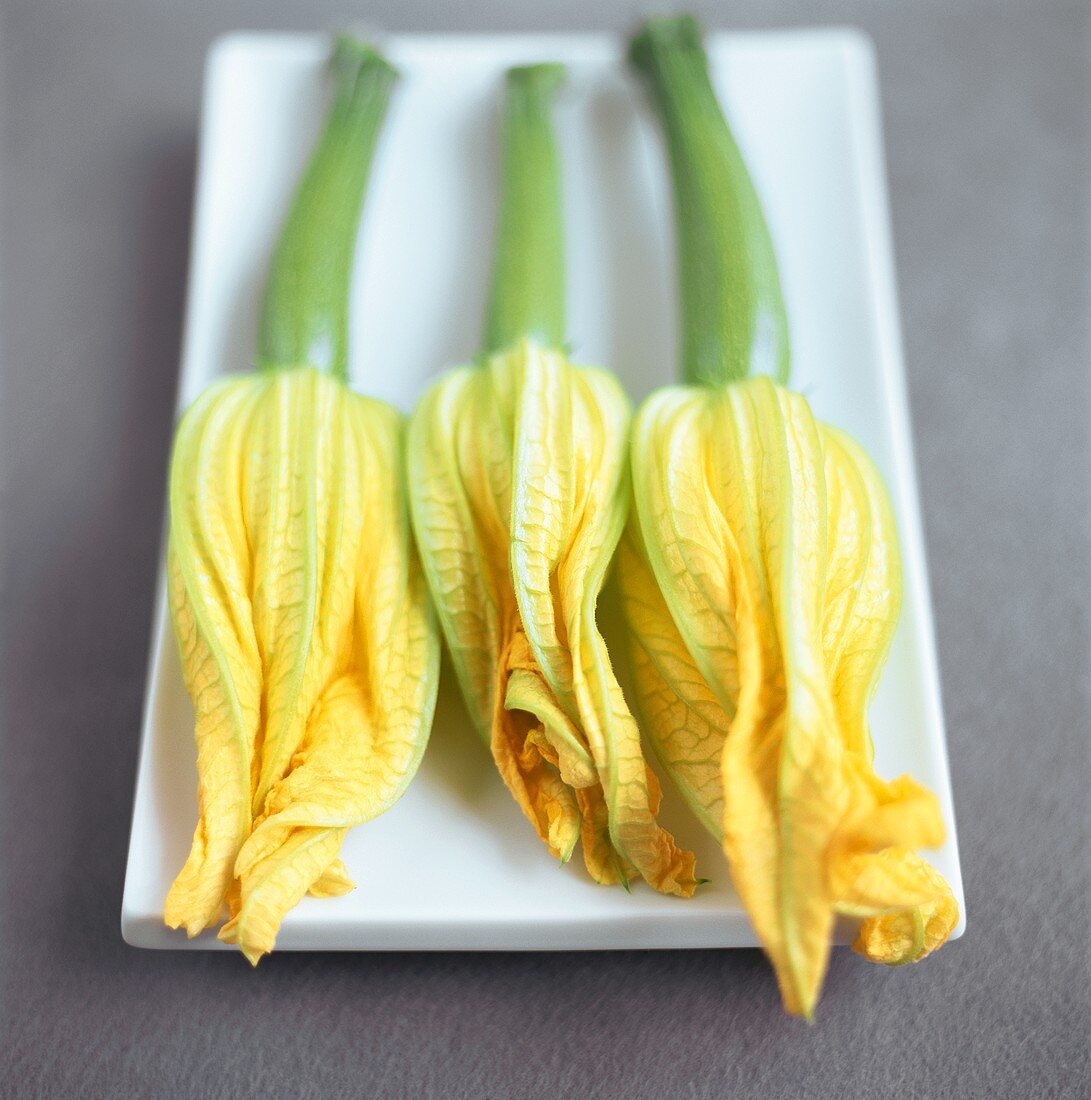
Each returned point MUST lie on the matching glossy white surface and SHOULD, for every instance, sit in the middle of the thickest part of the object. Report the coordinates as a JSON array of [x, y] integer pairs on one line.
[[453, 865]]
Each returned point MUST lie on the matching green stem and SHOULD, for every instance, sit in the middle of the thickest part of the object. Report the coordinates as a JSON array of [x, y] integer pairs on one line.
[[527, 296], [304, 313], [733, 319]]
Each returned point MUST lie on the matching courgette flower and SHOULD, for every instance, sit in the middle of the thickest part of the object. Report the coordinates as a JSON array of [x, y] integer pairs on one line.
[[300, 610], [519, 492], [761, 579]]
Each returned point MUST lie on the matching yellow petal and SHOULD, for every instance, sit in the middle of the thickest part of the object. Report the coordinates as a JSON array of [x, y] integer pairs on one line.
[[557, 738], [460, 442], [275, 885], [569, 504], [683, 530], [304, 519], [683, 719], [460, 493], [604, 863], [875, 872], [863, 582], [887, 813], [908, 935], [209, 578], [334, 883]]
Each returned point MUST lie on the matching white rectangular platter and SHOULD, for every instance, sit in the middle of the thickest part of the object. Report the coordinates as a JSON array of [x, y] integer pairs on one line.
[[453, 865]]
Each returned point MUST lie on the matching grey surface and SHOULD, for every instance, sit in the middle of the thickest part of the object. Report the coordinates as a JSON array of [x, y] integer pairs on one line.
[[986, 108]]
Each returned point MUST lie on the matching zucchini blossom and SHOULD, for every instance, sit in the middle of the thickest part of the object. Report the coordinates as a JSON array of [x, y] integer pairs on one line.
[[761, 578], [300, 610], [519, 491]]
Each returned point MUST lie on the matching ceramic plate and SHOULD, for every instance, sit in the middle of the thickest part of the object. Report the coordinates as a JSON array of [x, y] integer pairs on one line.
[[454, 865]]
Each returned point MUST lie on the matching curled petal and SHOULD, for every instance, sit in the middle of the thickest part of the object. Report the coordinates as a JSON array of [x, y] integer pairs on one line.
[[275, 885], [348, 772], [523, 740], [908, 935], [334, 882]]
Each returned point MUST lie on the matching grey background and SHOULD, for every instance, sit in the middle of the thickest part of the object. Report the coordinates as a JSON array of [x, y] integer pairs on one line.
[[986, 112]]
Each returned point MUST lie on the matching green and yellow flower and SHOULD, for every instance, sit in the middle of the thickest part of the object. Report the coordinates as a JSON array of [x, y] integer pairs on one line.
[[301, 613], [761, 578], [519, 490]]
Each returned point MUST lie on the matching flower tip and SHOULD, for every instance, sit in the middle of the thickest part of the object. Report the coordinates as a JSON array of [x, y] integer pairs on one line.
[[229, 933], [174, 917]]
